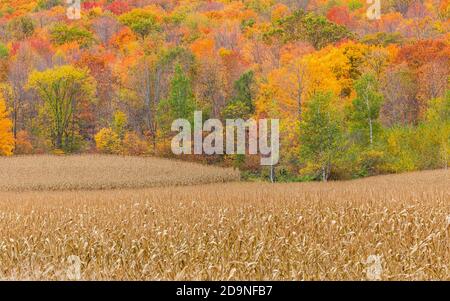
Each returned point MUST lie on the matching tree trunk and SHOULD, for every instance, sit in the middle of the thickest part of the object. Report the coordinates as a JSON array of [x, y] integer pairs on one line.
[[324, 174], [15, 126], [272, 174], [326, 171], [370, 117], [59, 140]]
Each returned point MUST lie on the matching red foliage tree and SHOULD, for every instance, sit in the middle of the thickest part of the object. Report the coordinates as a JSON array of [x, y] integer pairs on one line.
[[340, 15], [118, 7]]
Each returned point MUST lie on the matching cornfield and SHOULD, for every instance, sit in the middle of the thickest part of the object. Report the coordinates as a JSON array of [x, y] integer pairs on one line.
[[393, 227], [95, 172]]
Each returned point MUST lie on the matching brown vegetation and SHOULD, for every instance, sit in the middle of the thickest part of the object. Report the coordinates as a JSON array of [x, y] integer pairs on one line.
[[103, 172], [232, 231]]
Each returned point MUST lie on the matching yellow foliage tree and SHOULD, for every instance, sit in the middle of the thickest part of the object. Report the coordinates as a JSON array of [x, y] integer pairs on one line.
[[333, 69], [107, 141], [279, 97], [6, 135]]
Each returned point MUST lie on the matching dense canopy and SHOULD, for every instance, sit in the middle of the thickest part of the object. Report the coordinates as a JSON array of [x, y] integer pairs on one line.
[[355, 96]]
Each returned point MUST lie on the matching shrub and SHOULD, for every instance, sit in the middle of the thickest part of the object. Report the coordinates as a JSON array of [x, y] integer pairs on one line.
[[58, 152], [370, 162], [133, 145], [107, 141], [23, 144], [120, 121]]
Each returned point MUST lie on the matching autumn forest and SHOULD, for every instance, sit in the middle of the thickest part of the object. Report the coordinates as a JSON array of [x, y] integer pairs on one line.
[[355, 96]]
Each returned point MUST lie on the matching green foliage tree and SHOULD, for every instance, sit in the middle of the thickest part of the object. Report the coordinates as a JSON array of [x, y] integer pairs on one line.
[[302, 26], [242, 106], [3, 51], [439, 109], [438, 118], [141, 21], [382, 38], [180, 103], [62, 34], [365, 110], [424, 146], [47, 4], [321, 136], [22, 27], [354, 5], [60, 88]]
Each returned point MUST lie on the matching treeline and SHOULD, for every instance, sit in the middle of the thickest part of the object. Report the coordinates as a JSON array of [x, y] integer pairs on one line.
[[355, 97]]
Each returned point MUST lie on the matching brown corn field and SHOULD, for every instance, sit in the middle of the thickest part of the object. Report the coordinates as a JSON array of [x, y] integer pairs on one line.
[[398, 225], [100, 172]]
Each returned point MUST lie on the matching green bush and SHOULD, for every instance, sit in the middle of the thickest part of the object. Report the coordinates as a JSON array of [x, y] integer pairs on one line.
[[4, 52]]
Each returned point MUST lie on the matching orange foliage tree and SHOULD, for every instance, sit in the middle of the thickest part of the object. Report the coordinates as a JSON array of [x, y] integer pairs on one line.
[[6, 135]]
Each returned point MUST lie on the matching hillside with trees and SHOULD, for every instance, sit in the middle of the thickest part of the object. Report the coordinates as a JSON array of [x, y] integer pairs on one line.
[[355, 97]]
